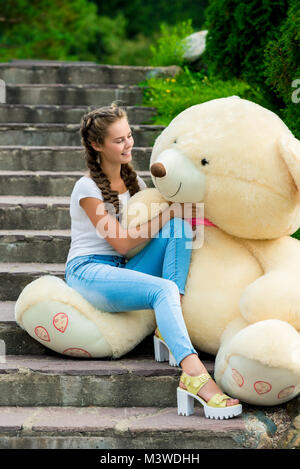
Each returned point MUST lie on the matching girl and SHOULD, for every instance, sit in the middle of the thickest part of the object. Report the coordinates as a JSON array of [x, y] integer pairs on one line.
[[154, 278]]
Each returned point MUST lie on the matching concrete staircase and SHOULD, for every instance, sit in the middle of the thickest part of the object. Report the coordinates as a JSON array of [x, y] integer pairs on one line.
[[53, 401]]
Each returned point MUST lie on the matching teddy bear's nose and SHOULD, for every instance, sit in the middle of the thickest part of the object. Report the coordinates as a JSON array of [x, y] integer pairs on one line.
[[158, 170]]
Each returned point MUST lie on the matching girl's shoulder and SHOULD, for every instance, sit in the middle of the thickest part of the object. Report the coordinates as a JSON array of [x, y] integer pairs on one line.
[[85, 181], [86, 185]]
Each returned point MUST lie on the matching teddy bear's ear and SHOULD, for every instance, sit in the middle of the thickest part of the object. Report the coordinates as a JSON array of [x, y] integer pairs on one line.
[[290, 152]]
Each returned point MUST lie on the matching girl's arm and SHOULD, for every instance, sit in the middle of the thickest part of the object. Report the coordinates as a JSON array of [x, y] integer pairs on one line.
[[121, 239]]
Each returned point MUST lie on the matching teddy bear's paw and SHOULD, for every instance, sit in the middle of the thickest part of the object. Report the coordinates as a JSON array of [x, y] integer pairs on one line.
[[59, 318], [65, 330], [259, 384], [261, 364]]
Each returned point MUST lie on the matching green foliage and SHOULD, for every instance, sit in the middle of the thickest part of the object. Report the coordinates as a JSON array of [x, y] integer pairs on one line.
[[172, 95], [297, 235], [47, 29], [113, 46], [282, 62], [282, 57], [238, 32], [291, 116], [170, 48], [145, 16], [74, 30]]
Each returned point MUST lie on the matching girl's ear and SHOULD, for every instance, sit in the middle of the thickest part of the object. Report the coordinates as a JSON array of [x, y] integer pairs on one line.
[[289, 147], [96, 146]]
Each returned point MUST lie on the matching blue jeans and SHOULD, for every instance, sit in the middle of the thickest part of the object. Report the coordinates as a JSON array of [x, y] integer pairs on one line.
[[152, 279]]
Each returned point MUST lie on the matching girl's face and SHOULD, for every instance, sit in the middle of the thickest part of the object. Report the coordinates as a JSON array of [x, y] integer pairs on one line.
[[118, 143]]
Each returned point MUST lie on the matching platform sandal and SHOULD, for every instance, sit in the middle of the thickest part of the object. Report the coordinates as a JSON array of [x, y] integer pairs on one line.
[[162, 352], [215, 408]]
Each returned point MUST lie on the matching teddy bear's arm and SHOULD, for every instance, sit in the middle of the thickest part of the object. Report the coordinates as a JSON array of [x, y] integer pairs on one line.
[[143, 206], [276, 294]]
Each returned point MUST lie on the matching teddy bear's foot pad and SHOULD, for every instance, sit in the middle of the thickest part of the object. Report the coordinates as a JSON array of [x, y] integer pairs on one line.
[[259, 384]]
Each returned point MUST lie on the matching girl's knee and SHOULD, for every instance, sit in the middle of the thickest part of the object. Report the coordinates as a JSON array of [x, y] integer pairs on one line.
[[168, 287]]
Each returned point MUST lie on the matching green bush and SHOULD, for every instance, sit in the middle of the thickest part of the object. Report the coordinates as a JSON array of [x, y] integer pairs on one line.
[[68, 31], [172, 95], [291, 117], [282, 67], [238, 32], [145, 16], [114, 47], [132, 52], [44, 29], [169, 48]]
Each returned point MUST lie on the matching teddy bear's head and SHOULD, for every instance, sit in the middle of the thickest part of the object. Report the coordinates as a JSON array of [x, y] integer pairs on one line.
[[239, 159]]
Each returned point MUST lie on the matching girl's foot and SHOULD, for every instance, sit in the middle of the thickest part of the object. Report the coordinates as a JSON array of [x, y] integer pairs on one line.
[[194, 367], [215, 405], [209, 390]]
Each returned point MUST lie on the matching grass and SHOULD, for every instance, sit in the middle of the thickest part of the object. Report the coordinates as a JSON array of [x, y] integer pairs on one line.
[[170, 96]]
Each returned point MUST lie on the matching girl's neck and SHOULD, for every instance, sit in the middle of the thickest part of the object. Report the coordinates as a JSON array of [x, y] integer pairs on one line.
[[113, 172]]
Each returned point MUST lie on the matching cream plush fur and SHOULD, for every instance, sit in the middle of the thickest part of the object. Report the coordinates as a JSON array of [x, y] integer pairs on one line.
[[242, 298], [89, 332]]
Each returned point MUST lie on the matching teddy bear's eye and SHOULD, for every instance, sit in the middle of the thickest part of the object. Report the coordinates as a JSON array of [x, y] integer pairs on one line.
[[175, 140], [204, 162]]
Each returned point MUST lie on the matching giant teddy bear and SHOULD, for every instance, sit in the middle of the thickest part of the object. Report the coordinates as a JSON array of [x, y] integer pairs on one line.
[[242, 299]]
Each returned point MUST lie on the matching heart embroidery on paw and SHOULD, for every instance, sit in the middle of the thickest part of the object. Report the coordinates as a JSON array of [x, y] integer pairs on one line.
[[42, 333], [77, 352], [262, 387], [237, 377], [286, 392], [60, 322]]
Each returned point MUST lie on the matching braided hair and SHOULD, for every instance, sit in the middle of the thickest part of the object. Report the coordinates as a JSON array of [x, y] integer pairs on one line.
[[93, 129]]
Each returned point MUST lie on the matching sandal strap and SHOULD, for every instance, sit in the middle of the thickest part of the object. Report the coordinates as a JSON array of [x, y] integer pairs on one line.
[[194, 383], [218, 400], [159, 334]]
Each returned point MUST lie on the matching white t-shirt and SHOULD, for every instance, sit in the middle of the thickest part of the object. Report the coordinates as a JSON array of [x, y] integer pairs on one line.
[[85, 239]]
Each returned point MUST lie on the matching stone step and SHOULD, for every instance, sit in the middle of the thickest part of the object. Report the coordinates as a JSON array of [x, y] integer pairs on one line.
[[64, 114], [78, 72], [42, 213], [99, 95], [46, 183], [122, 428], [61, 158], [19, 342], [50, 246], [65, 134], [15, 276], [57, 380], [16, 340]]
